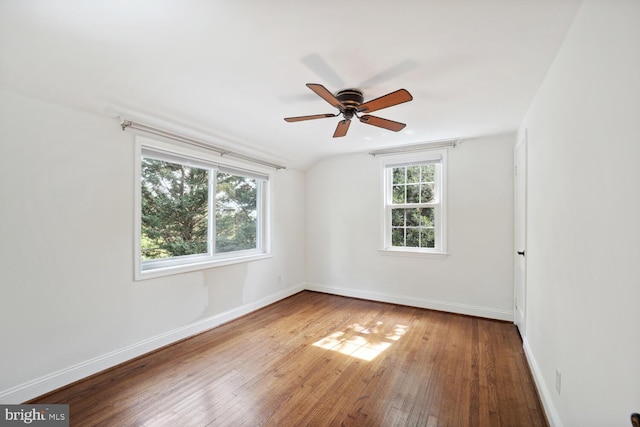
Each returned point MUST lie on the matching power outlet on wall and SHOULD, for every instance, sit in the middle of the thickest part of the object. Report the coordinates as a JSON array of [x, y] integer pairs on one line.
[[558, 380], [279, 280]]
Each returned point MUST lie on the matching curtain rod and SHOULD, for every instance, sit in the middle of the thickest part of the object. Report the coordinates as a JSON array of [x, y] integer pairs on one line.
[[416, 147], [124, 124]]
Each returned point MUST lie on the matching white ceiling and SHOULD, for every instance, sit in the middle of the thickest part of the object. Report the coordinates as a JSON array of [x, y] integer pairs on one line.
[[230, 71]]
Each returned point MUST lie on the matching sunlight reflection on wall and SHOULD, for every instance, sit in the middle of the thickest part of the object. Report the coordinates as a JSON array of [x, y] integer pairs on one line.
[[361, 341]]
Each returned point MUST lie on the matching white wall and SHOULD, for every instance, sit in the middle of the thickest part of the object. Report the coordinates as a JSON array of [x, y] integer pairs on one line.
[[583, 282], [343, 239], [68, 303]]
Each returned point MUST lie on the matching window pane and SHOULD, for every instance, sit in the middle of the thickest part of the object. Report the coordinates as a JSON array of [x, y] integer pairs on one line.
[[413, 174], [397, 217], [413, 237], [398, 175], [413, 217], [426, 193], [236, 213], [174, 210], [413, 193], [398, 194], [427, 238], [397, 237], [426, 217], [428, 173]]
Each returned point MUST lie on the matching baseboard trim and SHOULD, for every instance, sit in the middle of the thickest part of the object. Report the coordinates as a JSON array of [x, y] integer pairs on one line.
[[471, 310], [545, 395], [63, 377]]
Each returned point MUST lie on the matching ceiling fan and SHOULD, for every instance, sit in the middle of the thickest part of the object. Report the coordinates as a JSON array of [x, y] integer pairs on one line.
[[350, 102]]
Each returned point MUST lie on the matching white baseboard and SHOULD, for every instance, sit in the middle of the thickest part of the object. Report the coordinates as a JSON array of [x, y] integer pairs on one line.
[[472, 310], [55, 380], [545, 394]]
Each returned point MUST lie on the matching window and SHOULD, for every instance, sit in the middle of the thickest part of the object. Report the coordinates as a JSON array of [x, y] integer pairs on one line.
[[194, 212], [414, 205]]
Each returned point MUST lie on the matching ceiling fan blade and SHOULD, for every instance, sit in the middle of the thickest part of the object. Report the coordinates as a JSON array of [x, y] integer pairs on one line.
[[382, 123], [342, 128], [388, 100], [322, 69], [312, 117], [388, 74], [324, 93]]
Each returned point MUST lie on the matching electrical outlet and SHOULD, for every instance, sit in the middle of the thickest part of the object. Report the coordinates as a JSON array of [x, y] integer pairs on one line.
[[279, 280], [558, 380]]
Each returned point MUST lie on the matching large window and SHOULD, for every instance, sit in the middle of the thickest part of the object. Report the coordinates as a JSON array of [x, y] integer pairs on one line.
[[195, 213], [414, 209]]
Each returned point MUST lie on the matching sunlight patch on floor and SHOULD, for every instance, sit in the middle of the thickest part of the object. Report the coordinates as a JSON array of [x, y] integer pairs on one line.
[[362, 342]]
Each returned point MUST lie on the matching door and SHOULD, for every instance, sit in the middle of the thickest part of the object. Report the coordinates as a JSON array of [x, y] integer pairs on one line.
[[520, 253]]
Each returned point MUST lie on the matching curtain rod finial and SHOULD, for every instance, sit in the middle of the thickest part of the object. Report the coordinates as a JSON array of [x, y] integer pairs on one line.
[[125, 124]]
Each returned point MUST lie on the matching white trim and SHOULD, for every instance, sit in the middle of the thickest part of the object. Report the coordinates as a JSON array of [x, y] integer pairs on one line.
[[414, 158], [518, 217], [451, 307], [198, 162], [422, 146], [180, 150], [545, 395], [195, 266], [413, 254], [63, 377]]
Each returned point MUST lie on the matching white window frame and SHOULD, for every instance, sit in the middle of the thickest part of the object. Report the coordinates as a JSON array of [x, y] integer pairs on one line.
[[182, 264], [440, 204]]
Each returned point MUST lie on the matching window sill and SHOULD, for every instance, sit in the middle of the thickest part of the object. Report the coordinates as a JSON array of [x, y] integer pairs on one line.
[[178, 269], [412, 254]]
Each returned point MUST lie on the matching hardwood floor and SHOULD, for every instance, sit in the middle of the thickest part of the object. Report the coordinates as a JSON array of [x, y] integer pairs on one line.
[[317, 359]]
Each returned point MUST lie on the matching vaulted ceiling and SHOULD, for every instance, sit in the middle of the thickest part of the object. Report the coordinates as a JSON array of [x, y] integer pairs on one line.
[[230, 71]]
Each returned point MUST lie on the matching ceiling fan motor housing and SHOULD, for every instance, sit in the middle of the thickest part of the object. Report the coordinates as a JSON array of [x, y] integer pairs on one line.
[[351, 99]]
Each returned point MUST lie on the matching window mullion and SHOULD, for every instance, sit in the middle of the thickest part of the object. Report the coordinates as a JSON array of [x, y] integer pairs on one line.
[[388, 229], [406, 173], [389, 186], [260, 213], [211, 238]]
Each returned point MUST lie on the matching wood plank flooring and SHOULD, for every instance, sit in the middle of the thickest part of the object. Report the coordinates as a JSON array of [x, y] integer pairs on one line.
[[321, 360]]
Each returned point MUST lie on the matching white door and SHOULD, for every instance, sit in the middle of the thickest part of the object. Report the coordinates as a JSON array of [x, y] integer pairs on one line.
[[520, 254]]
